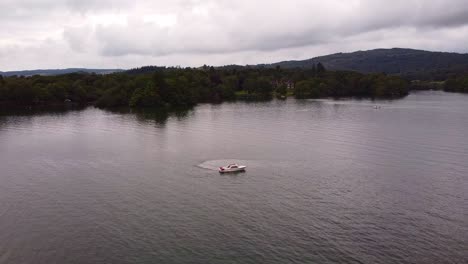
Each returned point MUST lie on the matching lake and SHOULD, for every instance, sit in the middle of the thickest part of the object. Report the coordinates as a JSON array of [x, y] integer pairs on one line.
[[327, 182]]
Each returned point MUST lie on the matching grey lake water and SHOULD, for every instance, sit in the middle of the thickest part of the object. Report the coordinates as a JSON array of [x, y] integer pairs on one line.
[[327, 182]]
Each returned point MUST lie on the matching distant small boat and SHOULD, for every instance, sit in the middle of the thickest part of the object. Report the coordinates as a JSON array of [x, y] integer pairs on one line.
[[232, 168], [376, 106]]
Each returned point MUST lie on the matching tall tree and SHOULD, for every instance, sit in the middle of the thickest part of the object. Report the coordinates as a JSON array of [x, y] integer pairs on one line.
[[320, 68]]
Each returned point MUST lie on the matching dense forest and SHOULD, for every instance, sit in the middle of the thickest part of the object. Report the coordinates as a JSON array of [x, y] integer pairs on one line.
[[457, 84], [160, 86]]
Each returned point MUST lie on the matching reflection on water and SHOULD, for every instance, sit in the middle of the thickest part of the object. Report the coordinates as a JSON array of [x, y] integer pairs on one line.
[[35, 111], [158, 115], [327, 182]]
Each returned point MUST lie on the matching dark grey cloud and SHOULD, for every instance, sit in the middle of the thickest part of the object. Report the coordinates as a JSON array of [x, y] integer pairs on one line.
[[236, 27], [193, 32]]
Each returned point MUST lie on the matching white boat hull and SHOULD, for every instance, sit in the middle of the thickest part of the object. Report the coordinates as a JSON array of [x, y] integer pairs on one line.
[[227, 170]]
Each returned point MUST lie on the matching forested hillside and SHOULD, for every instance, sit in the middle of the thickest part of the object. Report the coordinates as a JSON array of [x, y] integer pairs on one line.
[[408, 63]]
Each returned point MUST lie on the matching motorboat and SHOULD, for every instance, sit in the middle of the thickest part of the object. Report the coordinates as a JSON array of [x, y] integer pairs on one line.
[[232, 168]]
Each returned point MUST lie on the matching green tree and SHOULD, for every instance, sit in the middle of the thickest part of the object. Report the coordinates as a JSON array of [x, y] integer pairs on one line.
[[320, 68], [146, 96], [264, 87], [3, 91], [281, 90]]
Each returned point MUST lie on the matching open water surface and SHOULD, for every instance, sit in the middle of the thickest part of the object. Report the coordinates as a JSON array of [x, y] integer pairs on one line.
[[327, 182]]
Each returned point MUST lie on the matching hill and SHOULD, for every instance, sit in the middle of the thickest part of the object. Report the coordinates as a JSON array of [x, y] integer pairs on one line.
[[408, 63], [53, 72]]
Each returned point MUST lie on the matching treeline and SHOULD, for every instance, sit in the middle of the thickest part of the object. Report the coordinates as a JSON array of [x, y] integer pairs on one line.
[[457, 84], [160, 86], [427, 85], [351, 84]]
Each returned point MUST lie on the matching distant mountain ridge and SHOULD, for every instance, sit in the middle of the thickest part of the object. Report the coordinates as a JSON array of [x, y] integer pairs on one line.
[[58, 71], [409, 63]]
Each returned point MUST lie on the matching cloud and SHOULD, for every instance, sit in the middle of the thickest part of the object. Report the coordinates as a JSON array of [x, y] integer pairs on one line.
[[194, 32], [78, 38], [84, 6]]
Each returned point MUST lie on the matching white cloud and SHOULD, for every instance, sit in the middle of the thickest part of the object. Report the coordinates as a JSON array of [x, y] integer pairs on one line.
[[105, 33]]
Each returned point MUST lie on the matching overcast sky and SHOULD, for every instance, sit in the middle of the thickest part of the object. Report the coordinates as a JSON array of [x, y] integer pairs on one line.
[[130, 33]]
